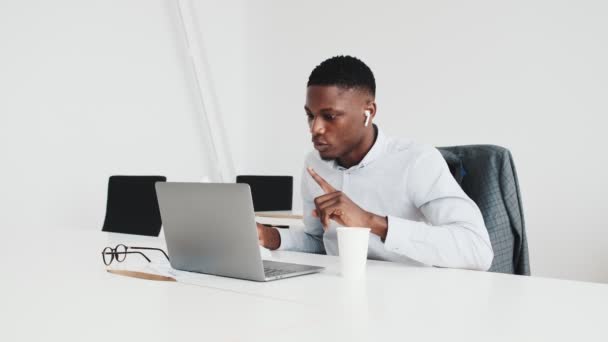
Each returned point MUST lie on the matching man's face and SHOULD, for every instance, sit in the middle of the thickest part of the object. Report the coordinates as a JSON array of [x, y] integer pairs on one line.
[[336, 119]]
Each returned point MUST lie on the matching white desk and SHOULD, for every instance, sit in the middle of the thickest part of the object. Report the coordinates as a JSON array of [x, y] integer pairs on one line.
[[55, 287], [287, 214], [280, 218]]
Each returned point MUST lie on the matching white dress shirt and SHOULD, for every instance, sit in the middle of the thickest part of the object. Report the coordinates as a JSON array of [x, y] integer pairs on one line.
[[431, 221]]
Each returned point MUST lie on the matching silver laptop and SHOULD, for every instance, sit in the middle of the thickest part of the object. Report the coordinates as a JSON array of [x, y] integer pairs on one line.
[[210, 228]]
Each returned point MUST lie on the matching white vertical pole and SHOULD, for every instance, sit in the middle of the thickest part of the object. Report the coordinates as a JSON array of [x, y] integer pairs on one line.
[[210, 116]]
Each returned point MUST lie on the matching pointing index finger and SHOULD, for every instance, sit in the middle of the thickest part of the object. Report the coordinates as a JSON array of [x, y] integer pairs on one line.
[[322, 183]]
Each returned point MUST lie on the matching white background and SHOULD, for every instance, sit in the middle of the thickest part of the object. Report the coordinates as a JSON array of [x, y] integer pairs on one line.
[[94, 88]]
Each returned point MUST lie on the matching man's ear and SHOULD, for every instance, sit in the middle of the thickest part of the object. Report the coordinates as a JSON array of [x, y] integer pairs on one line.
[[371, 109]]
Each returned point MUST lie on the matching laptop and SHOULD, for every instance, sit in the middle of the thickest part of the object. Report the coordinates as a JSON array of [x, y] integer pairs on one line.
[[210, 228]]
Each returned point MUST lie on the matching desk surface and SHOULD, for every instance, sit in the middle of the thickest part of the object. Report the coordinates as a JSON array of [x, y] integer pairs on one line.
[[55, 287], [287, 214]]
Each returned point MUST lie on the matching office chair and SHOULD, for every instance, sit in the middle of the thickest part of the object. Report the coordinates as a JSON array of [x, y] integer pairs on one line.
[[132, 207], [269, 193], [487, 175]]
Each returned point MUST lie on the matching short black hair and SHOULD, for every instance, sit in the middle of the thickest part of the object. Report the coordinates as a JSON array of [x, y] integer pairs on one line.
[[343, 71]]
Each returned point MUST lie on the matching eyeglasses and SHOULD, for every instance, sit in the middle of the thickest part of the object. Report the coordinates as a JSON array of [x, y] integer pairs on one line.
[[119, 253]]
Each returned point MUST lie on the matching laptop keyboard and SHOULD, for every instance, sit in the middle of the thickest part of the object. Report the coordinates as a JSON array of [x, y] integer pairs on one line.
[[273, 268], [273, 272]]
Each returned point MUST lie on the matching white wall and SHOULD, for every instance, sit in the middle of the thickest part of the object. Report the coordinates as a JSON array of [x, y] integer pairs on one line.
[[89, 89], [528, 75]]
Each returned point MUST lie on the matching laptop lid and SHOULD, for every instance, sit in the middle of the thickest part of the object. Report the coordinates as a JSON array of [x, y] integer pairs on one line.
[[210, 228]]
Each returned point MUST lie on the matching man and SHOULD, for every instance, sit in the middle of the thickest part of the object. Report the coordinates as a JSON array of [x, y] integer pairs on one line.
[[357, 177]]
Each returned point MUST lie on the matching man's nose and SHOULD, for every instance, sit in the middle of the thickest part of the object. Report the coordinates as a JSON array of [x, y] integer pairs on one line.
[[317, 126]]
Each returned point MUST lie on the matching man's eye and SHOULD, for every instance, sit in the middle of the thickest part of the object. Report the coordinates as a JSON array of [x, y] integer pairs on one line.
[[309, 116], [329, 117]]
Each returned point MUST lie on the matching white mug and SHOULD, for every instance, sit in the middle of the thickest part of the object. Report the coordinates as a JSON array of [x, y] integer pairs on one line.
[[352, 248]]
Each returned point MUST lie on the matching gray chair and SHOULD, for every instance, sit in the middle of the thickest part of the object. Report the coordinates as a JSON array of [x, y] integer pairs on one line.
[[487, 175]]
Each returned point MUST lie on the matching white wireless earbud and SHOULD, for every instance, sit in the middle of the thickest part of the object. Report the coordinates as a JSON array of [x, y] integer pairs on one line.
[[367, 116]]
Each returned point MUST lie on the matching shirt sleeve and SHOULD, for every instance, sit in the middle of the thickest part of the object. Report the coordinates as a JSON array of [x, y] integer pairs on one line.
[[453, 234], [309, 238]]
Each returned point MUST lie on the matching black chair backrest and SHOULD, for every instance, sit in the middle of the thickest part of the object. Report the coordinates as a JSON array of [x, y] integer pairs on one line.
[[487, 175], [269, 193], [132, 205]]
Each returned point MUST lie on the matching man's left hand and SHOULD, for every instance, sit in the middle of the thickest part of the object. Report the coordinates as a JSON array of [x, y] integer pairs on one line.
[[335, 205]]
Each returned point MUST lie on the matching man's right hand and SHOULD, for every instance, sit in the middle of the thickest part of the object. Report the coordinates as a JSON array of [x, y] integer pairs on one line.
[[268, 237]]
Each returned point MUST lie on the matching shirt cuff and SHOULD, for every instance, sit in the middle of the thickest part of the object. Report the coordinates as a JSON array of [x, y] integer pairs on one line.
[[402, 235], [287, 242]]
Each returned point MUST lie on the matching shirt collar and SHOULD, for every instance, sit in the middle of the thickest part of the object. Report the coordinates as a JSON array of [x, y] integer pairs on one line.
[[374, 153]]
